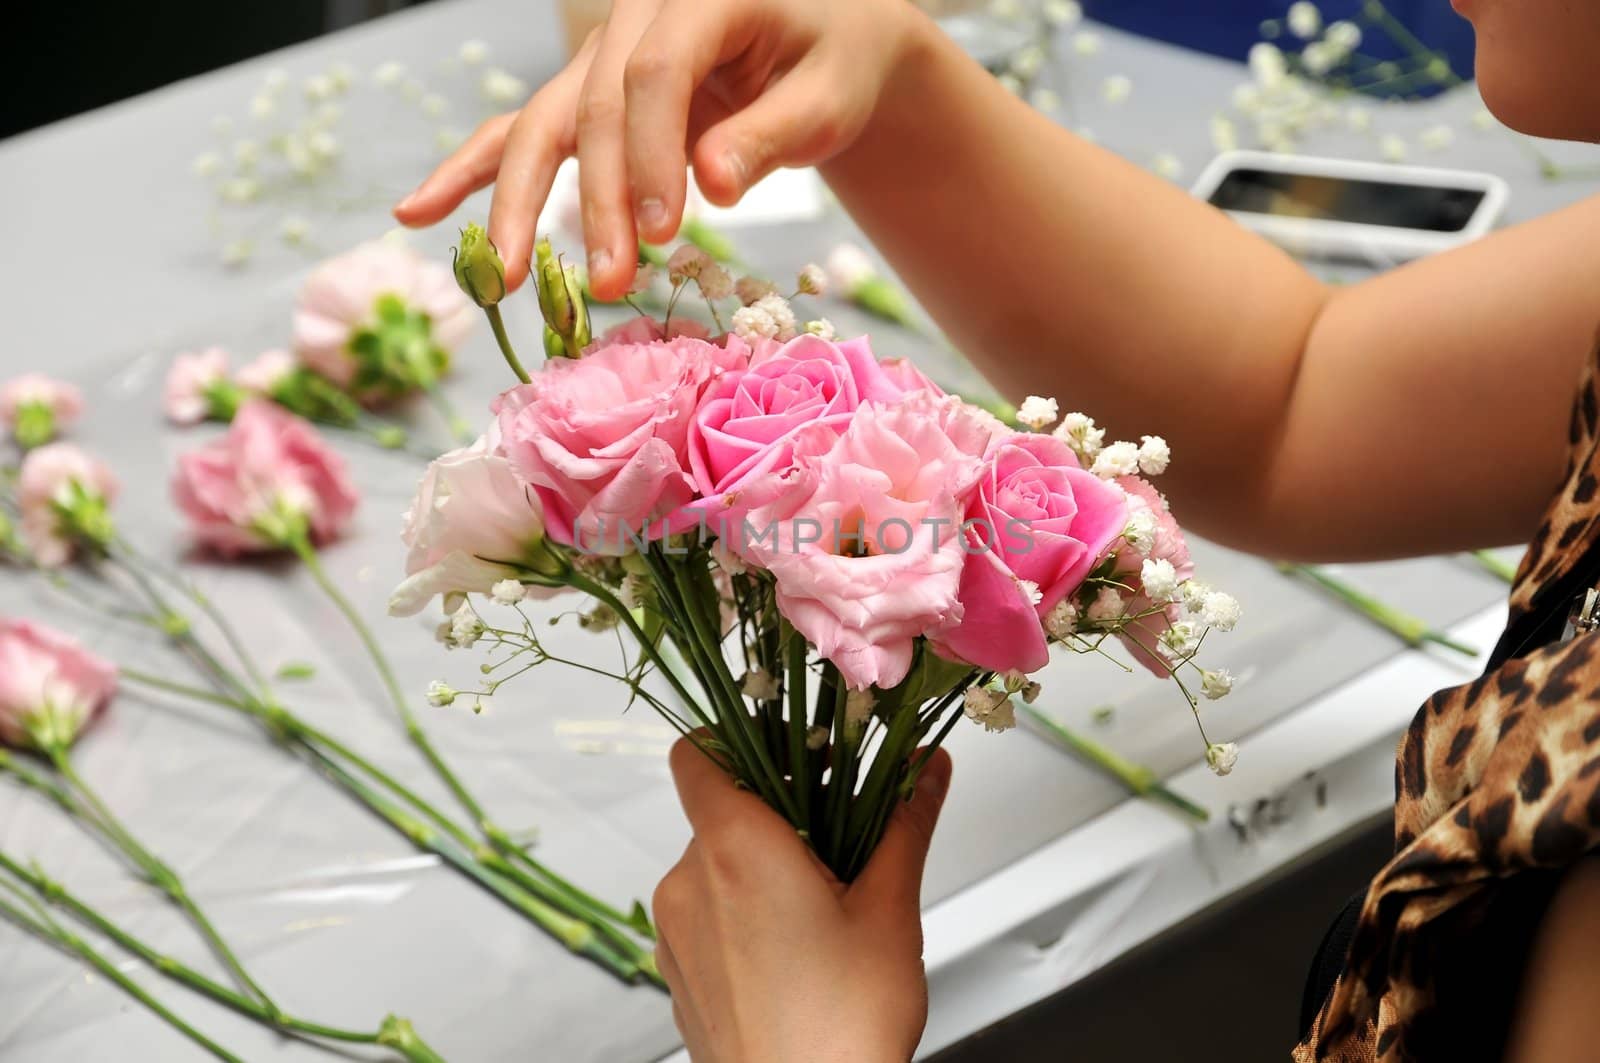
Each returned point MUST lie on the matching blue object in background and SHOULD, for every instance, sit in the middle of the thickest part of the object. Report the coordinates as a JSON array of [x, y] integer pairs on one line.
[[1229, 27]]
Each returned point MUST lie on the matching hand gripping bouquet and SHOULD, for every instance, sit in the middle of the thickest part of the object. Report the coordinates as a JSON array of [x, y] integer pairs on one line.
[[823, 561]]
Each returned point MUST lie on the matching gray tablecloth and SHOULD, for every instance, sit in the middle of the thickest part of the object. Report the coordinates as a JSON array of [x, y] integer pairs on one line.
[[111, 267]]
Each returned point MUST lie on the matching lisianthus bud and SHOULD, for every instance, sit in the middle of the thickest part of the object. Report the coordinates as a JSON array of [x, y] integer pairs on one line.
[[64, 496], [478, 268], [561, 300], [50, 686], [36, 407]]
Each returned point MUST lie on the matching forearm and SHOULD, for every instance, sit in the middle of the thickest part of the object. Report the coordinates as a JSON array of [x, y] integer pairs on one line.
[[1063, 270]]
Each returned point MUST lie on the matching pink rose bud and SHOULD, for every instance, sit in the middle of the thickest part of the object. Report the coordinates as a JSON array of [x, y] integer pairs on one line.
[[380, 320], [267, 484], [36, 408], [51, 688], [64, 497]]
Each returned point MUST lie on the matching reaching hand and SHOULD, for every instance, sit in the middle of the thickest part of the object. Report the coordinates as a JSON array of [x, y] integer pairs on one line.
[[769, 957], [738, 87]]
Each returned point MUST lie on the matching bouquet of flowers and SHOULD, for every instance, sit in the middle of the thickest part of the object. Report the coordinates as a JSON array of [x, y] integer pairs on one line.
[[823, 560]]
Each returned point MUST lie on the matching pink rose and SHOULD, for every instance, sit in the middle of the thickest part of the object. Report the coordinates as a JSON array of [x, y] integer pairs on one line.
[[59, 490], [340, 301], [643, 329], [263, 375], [51, 688], [907, 377], [863, 542], [601, 439], [470, 525], [1038, 518], [35, 407], [1143, 637], [269, 478], [192, 383]]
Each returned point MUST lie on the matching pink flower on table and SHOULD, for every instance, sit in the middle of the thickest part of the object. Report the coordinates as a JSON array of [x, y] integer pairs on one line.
[[63, 494], [907, 377], [864, 542], [270, 478], [472, 524], [1036, 527], [263, 375], [361, 316], [643, 329], [1148, 508], [35, 407], [51, 688], [601, 439], [195, 384]]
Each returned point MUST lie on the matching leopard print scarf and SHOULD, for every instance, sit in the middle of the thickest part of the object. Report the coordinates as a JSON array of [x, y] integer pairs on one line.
[[1495, 777]]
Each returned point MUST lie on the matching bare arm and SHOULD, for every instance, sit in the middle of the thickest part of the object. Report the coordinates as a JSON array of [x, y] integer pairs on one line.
[[1421, 411]]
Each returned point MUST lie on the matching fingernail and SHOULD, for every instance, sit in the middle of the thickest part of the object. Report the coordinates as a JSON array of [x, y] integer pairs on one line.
[[599, 260], [406, 202], [737, 168], [651, 215]]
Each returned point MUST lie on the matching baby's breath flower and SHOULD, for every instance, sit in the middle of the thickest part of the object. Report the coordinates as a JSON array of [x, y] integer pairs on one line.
[[445, 138], [1180, 639], [1061, 622], [465, 627], [1078, 432], [1216, 683], [237, 252], [1392, 148], [341, 76], [294, 229], [715, 282], [1159, 580], [777, 307], [508, 592], [246, 153], [263, 107], [1119, 459], [1304, 20], [1359, 119], [1046, 100], [443, 634], [411, 89], [635, 590], [1063, 14], [1247, 97], [319, 87], [687, 263], [1030, 590], [1108, 605], [1221, 757], [1037, 412], [1344, 35], [207, 165], [759, 684], [388, 74], [1026, 63], [441, 694], [1167, 165], [1086, 42], [1320, 57], [1140, 534], [990, 707], [1224, 137], [1267, 65], [858, 706], [1116, 88], [813, 280], [821, 328], [727, 560], [749, 289], [1220, 611], [1437, 138], [322, 145], [473, 52], [1483, 118], [500, 87], [816, 738], [752, 323], [222, 125], [433, 105], [1030, 692], [1154, 455], [1194, 594]]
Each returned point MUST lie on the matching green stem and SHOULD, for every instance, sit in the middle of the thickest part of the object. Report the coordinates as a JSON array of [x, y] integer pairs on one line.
[[457, 425], [795, 687], [55, 934], [161, 875], [1414, 631], [1139, 780], [1492, 563], [497, 325]]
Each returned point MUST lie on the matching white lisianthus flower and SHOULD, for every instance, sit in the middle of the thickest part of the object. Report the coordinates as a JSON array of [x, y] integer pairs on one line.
[[821, 328], [1119, 459], [1216, 683], [1344, 35], [1154, 455], [1159, 579], [508, 592], [1305, 21], [1108, 605], [1037, 412], [1116, 88], [1221, 757], [465, 627], [1062, 620], [760, 685], [1267, 65], [441, 694], [1220, 611]]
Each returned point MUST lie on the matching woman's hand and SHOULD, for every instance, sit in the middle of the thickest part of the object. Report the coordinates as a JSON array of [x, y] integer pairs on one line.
[[771, 959], [738, 87]]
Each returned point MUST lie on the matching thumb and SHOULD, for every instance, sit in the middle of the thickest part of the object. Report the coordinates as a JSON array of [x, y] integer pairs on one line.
[[893, 876]]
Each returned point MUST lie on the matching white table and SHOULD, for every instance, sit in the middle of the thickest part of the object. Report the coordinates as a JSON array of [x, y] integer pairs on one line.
[[1042, 870]]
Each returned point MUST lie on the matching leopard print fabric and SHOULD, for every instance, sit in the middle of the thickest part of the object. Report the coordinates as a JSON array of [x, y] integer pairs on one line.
[[1494, 777]]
